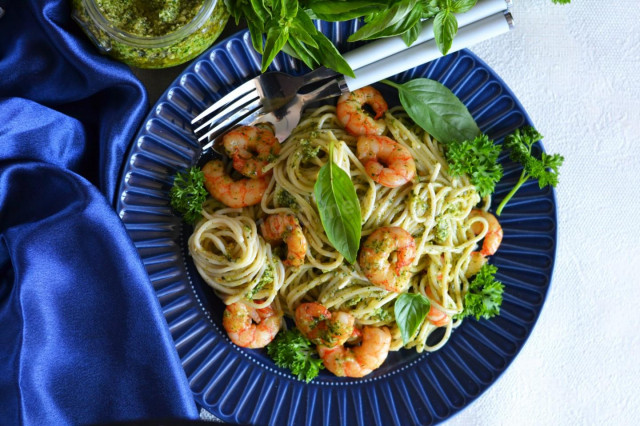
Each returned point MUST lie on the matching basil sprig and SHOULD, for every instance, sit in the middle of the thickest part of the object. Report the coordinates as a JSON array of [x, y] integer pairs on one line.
[[436, 109], [406, 17], [410, 310], [339, 208], [288, 26]]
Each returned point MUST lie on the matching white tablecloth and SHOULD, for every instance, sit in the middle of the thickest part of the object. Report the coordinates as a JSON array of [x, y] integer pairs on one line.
[[576, 70]]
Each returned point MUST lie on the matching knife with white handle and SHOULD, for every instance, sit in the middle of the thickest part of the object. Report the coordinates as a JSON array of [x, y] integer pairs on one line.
[[382, 48], [416, 55]]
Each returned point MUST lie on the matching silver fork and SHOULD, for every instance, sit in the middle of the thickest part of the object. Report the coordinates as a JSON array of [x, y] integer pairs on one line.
[[286, 117], [266, 92], [282, 120]]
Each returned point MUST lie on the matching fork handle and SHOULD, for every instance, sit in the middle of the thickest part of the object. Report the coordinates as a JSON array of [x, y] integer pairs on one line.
[[318, 74], [485, 29]]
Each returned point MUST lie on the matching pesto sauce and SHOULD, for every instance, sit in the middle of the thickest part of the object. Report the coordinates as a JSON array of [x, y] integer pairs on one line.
[[149, 18], [152, 18]]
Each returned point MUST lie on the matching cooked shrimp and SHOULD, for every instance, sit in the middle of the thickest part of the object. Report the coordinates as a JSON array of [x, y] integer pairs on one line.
[[386, 161], [321, 326], [252, 149], [386, 256], [249, 327], [361, 360], [493, 238], [355, 119], [437, 317], [235, 194], [284, 227], [477, 261]]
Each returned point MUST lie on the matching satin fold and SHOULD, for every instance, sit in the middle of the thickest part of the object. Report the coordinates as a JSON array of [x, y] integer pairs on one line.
[[82, 335]]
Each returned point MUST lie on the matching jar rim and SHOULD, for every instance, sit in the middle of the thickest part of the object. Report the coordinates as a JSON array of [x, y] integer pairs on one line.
[[144, 41]]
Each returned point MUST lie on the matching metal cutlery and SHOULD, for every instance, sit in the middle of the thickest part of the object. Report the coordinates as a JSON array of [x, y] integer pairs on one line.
[[251, 109]]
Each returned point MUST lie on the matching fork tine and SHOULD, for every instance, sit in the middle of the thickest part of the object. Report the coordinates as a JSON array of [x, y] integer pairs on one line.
[[245, 116], [239, 91], [246, 101]]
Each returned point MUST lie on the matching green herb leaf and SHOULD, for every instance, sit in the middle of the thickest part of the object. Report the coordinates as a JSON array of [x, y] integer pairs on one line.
[[188, 193], [484, 296], [445, 28], [462, 6], [329, 56], [333, 11], [546, 169], [412, 34], [290, 349], [477, 158], [395, 20], [276, 39], [260, 10], [299, 50], [436, 109], [410, 310], [339, 208]]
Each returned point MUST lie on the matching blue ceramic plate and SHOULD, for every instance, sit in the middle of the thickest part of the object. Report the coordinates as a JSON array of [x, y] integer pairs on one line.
[[244, 386]]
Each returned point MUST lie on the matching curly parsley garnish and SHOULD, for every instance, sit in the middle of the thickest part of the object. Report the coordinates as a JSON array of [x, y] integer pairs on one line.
[[545, 169], [477, 158], [484, 297], [188, 193], [290, 349]]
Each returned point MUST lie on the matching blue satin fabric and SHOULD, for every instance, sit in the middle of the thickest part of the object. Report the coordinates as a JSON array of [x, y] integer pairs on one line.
[[82, 336]]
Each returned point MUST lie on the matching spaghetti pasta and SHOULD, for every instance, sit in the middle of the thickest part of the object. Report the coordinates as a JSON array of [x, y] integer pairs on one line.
[[434, 208]]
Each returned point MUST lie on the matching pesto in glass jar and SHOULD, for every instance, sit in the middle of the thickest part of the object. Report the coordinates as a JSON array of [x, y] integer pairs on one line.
[[151, 33]]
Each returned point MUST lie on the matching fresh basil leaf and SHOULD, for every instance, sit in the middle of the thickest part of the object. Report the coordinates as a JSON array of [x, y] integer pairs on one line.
[[329, 56], [410, 310], [411, 35], [301, 35], [461, 6], [430, 9], [301, 52], [333, 11], [235, 9], [256, 28], [437, 110], [445, 27], [396, 17], [276, 38], [303, 29], [339, 208], [287, 8], [260, 11]]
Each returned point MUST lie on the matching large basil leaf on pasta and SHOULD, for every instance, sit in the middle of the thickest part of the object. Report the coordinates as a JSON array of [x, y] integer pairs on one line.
[[410, 310], [339, 209], [437, 110]]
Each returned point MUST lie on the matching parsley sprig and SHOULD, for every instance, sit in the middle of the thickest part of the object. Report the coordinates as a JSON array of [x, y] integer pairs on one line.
[[290, 349], [188, 193], [484, 297], [545, 169], [477, 158]]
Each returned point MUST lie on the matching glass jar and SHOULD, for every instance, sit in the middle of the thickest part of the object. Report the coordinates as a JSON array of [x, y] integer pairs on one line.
[[144, 37]]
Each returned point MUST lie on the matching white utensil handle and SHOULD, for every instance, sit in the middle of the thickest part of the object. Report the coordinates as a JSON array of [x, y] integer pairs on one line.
[[416, 55], [380, 49]]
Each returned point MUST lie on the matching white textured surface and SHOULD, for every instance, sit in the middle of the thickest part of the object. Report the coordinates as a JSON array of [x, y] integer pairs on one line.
[[576, 70]]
